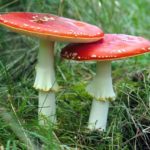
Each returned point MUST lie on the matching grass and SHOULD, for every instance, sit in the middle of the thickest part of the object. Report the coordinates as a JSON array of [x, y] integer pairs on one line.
[[129, 116]]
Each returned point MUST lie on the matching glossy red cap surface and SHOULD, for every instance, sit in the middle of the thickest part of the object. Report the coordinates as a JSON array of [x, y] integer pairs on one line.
[[113, 46], [51, 27]]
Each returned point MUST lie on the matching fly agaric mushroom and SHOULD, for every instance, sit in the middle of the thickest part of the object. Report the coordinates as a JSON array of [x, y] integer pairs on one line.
[[49, 28], [112, 47]]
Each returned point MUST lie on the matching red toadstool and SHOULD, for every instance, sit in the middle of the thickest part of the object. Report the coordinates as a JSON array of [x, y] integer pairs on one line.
[[49, 28], [112, 47]]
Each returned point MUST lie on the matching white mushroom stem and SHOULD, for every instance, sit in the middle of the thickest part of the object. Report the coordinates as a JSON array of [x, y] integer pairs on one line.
[[45, 82], [98, 115], [47, 107], [101, 89]]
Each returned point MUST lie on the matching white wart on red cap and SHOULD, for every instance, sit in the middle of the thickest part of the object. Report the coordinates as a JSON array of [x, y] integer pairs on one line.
[[113, 46], [51, 27]]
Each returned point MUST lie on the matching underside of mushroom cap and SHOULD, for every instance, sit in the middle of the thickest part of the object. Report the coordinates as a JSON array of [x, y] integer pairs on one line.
[[112, 47]]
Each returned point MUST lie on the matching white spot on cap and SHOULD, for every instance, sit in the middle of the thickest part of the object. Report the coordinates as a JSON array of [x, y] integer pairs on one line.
[[5, 21], [34, 17], [119, 51], [93, 56], [45, 18], [26, 25], [143, 48], [74, 54], [51, 18], [149, 48]]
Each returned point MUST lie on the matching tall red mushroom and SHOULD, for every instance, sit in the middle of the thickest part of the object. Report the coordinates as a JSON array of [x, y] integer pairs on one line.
[[49, 28], [112, 47]]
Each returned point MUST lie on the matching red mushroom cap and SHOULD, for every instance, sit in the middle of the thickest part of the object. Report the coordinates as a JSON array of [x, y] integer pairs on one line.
[[113, 46], [51, 27]]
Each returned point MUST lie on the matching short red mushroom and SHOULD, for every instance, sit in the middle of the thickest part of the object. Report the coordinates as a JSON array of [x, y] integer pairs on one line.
[[112, 47], [49, 28]]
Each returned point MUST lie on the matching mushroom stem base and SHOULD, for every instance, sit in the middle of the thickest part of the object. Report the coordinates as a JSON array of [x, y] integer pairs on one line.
[[98, 115], [47, 108], [101, 87]]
